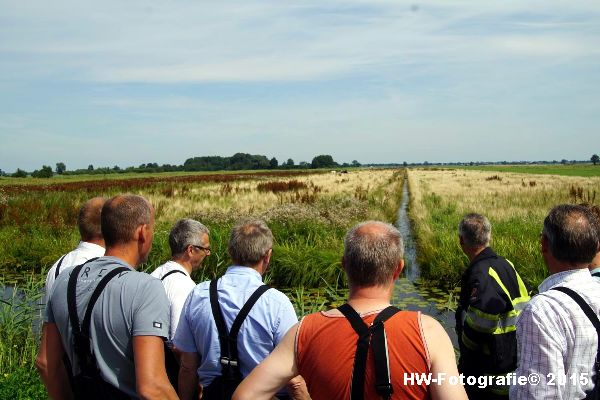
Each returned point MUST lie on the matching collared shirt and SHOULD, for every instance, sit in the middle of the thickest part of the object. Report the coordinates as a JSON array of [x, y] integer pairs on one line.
[[178, 286], [557, 342], [83, 252], [266, 324], [597, 272]]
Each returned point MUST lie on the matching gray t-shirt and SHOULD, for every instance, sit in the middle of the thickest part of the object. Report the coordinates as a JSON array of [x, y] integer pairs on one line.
[[132, 304]]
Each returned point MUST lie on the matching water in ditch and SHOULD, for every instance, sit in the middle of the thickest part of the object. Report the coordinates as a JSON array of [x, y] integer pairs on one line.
[[409, 294]]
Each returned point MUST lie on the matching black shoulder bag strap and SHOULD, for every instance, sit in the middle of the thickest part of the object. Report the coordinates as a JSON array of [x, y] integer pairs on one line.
[[57, 270], [376, 338], [171, 273], [585, 307], [81, 333], [228, 340]]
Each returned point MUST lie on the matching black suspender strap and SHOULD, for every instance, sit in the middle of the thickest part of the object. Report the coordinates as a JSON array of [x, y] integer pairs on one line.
[[585, 307], [81, 334], [57, 270], [171, 273], [228, 339], [239, 319], [374, 336]]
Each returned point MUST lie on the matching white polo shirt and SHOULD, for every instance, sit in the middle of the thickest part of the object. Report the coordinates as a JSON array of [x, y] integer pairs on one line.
[[177, 286], [83, 252]]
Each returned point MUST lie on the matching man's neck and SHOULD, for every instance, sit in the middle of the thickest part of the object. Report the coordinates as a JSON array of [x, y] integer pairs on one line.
[[562, 267], [370, 298], [99, 242], [186, 264], [473, 252], [126, 253]]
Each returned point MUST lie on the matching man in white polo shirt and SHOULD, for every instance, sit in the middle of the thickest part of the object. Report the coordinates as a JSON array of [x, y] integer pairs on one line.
[[189, 247], [91, 244]]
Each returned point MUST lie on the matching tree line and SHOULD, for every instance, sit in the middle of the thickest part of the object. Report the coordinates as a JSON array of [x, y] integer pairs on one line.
[[237, 162]]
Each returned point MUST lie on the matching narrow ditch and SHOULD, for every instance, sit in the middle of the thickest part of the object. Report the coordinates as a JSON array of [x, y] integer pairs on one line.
[[408, 294]]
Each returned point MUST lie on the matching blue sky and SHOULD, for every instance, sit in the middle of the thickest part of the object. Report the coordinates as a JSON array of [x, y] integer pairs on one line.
[[124, 83]]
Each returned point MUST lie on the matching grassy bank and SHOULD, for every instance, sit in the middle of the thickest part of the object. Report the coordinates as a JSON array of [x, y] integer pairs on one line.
[[516, 205]]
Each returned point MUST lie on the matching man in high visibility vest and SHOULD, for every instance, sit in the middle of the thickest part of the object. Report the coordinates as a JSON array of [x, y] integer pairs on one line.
[[492, 296]]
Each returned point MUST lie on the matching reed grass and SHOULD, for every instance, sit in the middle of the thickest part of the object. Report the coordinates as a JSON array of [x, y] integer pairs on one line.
[[515, 203]]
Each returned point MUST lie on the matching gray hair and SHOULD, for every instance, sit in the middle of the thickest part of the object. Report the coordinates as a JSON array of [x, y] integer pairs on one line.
[[572, 233], [372, 250], [475, 230], [249, 242], [185, 232]]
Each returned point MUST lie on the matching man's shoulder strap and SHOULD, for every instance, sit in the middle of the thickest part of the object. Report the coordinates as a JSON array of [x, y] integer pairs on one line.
[[82, 349], [589, 312], [376, 337], [228, 339], [57, 270], [171, 273]]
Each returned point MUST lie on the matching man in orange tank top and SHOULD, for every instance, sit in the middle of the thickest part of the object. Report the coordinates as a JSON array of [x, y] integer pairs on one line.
[[324, 348]]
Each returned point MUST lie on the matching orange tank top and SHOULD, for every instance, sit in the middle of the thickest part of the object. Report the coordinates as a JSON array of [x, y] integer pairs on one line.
[[325, 347]]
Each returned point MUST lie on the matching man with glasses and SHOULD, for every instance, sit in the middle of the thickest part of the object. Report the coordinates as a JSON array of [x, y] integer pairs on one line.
[[189, 245], [203, 360]]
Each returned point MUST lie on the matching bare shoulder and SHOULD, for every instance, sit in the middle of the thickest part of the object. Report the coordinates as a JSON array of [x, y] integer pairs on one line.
[[430, 324], [435, 335]]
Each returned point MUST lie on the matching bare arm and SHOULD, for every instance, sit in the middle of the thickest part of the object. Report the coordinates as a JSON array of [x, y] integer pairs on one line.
[[50, 363], [443, 361], [272, 373], [150, 374], [188, 377]]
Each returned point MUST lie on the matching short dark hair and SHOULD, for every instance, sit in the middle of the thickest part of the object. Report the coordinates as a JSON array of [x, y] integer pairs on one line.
[[185, 232], [475, 230], [572, 233], [372, 250], [249, 242], [122, 215], [88, 219]]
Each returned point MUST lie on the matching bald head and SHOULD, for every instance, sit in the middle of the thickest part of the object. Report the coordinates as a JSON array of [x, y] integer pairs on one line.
[[122, 216], [88, 219], [372, 251]]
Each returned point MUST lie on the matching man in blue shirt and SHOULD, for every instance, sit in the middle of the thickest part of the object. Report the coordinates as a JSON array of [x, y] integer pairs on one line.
[[250, 248]]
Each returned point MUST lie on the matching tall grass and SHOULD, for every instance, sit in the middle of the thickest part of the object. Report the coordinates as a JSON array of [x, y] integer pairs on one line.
[[19, 339], [309, 217], [516, 205]]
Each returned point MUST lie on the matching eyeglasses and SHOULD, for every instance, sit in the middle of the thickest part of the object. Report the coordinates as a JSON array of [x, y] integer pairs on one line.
[[206, 249]]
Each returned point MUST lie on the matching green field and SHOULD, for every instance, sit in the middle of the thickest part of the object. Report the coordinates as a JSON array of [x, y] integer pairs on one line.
[[309, 213], [586, 170]]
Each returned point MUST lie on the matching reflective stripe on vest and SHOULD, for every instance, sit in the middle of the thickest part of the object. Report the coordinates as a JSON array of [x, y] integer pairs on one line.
[[497, 324]]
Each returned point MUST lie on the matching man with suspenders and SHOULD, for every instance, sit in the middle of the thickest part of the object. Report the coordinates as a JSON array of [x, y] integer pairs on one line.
[[366, 348], [90, 246], [229, 325], [558, 332], [110, 320], [189, 245]]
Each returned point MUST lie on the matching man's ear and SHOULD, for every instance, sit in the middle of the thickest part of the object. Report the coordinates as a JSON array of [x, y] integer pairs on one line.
[[545, 244], [143, 233], [267, 256], [398, 269]]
